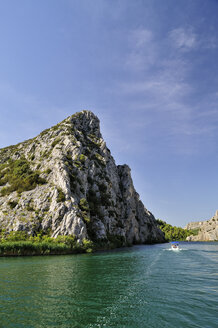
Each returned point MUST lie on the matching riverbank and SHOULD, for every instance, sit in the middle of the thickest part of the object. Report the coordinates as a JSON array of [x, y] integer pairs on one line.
[[19, 244], [27, 248]]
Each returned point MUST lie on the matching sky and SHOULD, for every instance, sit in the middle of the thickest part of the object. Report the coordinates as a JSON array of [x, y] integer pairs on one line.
[[147, 68]]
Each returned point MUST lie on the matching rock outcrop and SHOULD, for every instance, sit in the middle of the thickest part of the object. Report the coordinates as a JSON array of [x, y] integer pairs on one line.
[[65, 181], [207, 230]]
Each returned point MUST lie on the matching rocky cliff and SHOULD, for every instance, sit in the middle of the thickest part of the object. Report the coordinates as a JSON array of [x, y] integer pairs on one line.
[[207, 230], [65, 181]]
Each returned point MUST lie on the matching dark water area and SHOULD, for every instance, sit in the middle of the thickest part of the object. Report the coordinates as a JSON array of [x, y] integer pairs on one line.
[[142, 286]]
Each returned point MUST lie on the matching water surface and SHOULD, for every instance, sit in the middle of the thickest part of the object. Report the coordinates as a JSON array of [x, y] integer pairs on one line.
[[142, 286]]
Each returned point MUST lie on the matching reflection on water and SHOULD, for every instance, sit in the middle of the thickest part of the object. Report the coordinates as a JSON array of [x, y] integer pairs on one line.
[[143, 286]]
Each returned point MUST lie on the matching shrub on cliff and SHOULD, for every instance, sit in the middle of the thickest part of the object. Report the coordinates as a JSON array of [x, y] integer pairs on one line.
[[19, 176], [61, 196]]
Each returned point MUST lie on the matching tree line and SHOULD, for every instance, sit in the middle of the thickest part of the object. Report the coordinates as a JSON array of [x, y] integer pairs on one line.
[[173, 233]]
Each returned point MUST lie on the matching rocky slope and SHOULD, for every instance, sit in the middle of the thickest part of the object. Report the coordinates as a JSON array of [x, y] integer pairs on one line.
[[65, 181], [207, 230]]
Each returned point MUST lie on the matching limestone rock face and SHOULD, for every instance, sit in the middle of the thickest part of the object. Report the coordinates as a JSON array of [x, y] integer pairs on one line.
[[71, 185], [207, 230]]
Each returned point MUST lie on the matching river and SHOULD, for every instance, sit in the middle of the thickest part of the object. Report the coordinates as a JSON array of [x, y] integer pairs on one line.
[[137, 287]]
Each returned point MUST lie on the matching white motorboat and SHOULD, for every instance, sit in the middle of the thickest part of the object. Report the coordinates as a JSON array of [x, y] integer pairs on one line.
[[175, 245]]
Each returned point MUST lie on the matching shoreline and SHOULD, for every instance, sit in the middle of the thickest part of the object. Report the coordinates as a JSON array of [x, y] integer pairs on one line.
[[28, 248]]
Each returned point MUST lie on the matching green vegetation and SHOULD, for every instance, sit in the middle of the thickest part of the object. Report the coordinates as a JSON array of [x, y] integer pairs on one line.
[[44, 132], [48, 171], [105, 197], [175, 233], [12, 204], [94, 204], [116, 241], [82, 158], [55, 142], [73, 182], [86, 218], [93, 141], [83, 204], [99, 159], [84, 207], [61, 196], [19, 176], [30, 207], [73, 166], [79, 161], [102, 187], [46, 154], [18, 243]]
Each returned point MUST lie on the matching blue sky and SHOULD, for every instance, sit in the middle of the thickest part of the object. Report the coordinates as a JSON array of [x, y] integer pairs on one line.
[[148, 69]]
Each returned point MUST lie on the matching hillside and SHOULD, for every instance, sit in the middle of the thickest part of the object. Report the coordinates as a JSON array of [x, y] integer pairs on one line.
[[173, 232], [207, 230], [65, 182]]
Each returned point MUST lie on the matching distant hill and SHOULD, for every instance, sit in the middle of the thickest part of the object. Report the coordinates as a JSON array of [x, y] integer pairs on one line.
[[207, 230], [173, 232]]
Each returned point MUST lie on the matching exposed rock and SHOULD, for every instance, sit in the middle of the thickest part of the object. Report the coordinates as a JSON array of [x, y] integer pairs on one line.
[[207, 230], [65, 182]]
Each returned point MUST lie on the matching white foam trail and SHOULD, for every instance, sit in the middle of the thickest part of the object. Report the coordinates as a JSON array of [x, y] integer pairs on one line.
[[175, 250]]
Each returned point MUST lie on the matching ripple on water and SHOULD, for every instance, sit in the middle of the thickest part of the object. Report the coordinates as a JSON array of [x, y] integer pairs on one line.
[[143, 286]]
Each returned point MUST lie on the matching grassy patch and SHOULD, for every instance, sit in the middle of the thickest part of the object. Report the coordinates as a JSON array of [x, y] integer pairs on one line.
[[17, 243], [61, 196], [55, 142], [19, 176], [83, 204], [12, 204]]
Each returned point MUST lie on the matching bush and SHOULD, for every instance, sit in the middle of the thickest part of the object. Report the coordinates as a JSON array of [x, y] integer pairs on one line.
[[116, 240], [86, 219], [20, 177], [15, 236], [87, 245], [48, 171], [102, 187], [19, 243], [12, 204], [55, 142], [99, 159], [61, 196], [82, 158], [83, 204]]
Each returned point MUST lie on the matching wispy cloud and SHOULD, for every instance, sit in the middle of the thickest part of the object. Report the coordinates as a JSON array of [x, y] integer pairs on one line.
[[140, 37], [142, 52], [184, 39], [162, 84], [210, 42], [167, 88]]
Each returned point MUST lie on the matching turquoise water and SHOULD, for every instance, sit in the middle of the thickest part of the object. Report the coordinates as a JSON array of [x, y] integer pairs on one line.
[[142, 286]]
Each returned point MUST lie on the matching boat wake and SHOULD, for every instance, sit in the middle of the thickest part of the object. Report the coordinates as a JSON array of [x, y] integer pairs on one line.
[[175, 250]]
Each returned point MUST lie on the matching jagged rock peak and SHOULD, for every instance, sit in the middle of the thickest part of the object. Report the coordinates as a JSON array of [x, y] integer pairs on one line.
[[65, 181], [85, 121]]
